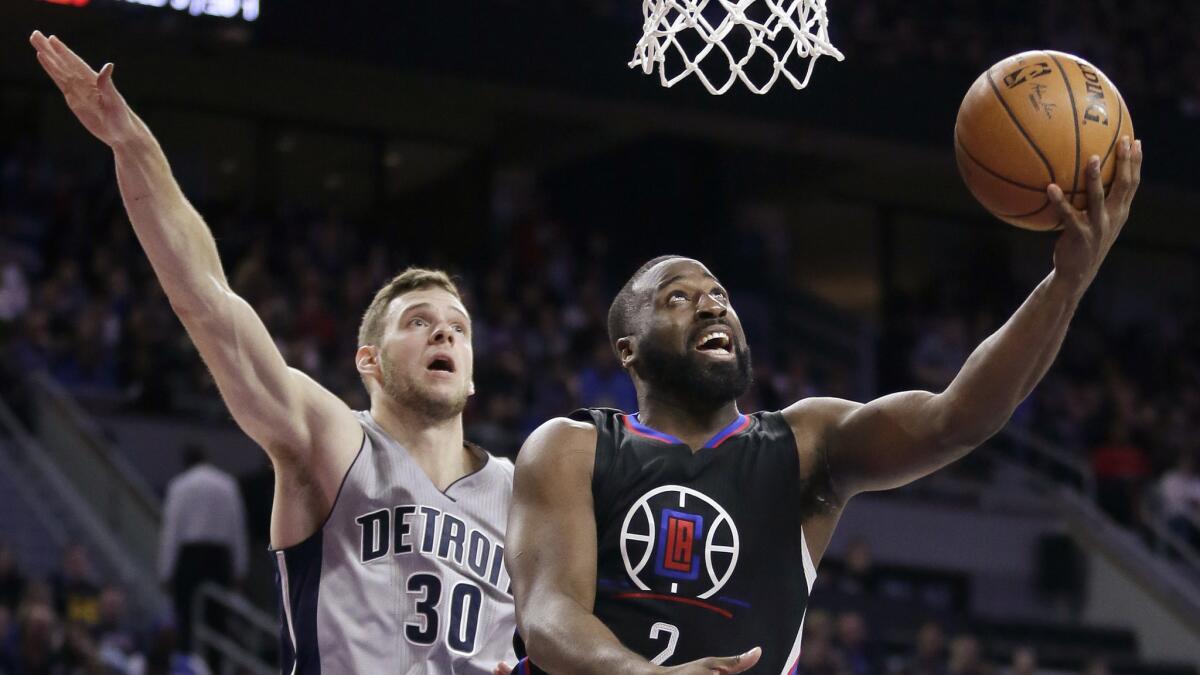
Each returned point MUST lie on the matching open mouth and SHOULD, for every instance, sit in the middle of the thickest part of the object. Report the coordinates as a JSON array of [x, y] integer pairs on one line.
[[441, 363], [715, 341]]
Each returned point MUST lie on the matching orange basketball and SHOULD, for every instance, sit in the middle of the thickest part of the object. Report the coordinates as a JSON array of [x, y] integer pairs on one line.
[[1035, 119]]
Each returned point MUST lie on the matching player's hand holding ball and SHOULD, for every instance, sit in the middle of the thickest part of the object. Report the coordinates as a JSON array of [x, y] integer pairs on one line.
[[1040, 137]]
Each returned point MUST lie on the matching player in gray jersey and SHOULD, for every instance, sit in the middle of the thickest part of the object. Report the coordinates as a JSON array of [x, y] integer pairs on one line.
[[387, 527]]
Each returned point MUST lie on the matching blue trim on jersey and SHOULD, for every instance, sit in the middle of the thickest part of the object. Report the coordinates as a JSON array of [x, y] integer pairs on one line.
[[303, 564], [741, 423], [734, 601], [632, 423]]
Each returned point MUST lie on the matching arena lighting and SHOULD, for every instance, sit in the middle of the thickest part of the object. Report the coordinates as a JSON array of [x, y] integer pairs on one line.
[[228, 9], [222, 8]]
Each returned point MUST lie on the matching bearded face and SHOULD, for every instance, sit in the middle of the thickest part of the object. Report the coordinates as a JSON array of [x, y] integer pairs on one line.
[[691, 374], [689, 341], [412, 390]]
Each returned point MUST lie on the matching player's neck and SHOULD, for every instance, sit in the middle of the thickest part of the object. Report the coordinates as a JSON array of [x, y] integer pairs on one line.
[[436, 445], [691, 423]]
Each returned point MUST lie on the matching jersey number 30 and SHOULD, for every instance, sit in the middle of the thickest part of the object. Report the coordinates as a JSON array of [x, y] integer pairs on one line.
[[465, 602]]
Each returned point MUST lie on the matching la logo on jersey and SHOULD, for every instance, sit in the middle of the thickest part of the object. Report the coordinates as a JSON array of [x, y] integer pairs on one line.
[[677, 540]]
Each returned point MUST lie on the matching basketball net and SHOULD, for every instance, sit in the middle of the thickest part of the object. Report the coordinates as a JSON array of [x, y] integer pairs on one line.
[[790, 29]]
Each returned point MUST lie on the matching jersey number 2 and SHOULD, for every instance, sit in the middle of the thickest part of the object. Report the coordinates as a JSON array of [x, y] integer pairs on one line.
[[466, 599], [672, 640]]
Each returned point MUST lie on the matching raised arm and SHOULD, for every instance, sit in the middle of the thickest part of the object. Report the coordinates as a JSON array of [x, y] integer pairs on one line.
[[551, 555], [286, 412], [898, 438]]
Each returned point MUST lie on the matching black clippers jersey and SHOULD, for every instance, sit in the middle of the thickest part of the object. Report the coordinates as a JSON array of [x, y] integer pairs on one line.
[[700, 554]]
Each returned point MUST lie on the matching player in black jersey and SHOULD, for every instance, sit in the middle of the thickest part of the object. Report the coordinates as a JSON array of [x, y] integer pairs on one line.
[[640, 541]]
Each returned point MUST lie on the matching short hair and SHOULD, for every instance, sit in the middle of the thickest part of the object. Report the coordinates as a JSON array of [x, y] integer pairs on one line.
[[412, 279], [620, 312]]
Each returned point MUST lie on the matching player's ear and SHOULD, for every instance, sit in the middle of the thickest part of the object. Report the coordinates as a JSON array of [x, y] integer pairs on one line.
[[471, 387], [366, 361], [625, 351]]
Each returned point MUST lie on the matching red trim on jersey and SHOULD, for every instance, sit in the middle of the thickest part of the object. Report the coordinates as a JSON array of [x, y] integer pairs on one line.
[[739, 425], [674, 598]]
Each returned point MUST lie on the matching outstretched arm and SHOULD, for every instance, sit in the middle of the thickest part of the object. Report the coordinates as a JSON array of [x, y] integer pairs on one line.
[[551, 555], [286, 412], [898, 438]]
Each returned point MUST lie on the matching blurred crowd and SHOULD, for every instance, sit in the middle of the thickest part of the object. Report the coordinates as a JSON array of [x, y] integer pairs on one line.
[[78, 301], [849, 630], [76, 623], [1123, 397]]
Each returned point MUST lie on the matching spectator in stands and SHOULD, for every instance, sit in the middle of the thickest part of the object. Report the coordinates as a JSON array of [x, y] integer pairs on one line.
[[857, 576], [12, 582], [1024, 661], [31, 649], [929, 657], [1180, 493], [78, 654], [1096, 667], [603, 384], [115, 641], [819, 657], [940, 352], [858, 655], [76, 593], [1121, 467], [14, 288], [966, 657], [163, 656], [203, 537]]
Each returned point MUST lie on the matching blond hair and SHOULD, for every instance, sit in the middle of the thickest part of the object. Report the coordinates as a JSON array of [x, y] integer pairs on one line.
[[370, 331]]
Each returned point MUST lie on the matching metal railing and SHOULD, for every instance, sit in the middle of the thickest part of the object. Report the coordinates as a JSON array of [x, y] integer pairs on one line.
[[99, 471], [57, 492], [257, 632], [1048, 461]]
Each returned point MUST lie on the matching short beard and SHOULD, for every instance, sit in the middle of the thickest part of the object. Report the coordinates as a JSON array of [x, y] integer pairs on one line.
[[407, 393], [688, 377]]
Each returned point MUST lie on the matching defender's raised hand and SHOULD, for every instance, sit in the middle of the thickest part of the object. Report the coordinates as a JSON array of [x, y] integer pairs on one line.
[[90, 95], [1088, 235]]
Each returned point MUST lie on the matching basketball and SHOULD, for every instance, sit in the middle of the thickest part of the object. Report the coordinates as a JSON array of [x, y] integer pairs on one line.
[[1034, 119]]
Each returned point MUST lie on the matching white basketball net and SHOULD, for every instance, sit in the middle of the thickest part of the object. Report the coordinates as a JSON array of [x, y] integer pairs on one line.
[[792, 29]]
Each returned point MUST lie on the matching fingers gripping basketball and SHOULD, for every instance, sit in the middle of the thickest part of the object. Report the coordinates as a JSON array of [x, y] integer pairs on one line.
[[1034, 119]]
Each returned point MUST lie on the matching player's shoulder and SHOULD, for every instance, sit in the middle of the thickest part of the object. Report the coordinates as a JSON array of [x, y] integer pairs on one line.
[[563, 430], [558, 442], [818, 410], [811, 419]]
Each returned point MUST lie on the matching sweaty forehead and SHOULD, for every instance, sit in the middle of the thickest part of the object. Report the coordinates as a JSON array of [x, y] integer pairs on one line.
[[428, 297], [672, 269]]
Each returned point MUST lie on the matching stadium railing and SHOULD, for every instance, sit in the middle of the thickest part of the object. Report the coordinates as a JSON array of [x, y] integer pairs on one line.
[[99, 472], [82, 522], [256, 632]]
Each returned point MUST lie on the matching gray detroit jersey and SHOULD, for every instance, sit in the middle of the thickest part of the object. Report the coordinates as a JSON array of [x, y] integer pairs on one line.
[[402, 578]]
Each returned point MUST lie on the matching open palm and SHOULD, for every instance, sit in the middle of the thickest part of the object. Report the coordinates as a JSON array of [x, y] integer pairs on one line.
[[90, 95]]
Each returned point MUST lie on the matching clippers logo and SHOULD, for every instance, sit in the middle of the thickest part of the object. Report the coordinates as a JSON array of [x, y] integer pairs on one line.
[[692, 539]]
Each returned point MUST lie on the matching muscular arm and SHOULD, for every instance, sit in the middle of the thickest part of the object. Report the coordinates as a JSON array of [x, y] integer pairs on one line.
[[551, 556], [287, 413], [901, 437]]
